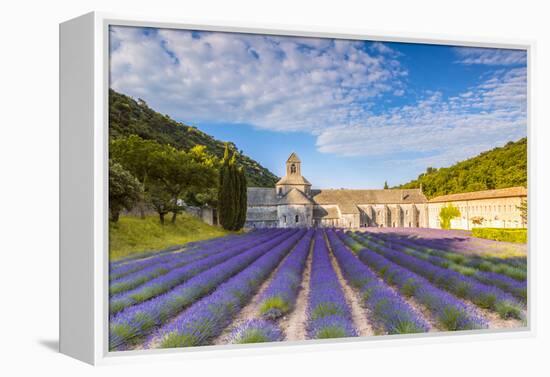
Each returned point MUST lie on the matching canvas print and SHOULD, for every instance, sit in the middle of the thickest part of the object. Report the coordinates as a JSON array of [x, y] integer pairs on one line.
[[267, 188]]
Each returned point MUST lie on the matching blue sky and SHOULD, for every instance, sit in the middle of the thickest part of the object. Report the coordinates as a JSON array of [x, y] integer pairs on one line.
[[356, 112]]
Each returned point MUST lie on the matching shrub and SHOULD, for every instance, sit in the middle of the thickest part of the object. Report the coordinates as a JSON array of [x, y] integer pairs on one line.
[[501, 234], [446, 214]]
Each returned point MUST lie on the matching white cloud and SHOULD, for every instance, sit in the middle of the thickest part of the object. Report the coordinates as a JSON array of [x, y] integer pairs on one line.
[[438, 131], [271, 82], [490, 56], [325, 87]]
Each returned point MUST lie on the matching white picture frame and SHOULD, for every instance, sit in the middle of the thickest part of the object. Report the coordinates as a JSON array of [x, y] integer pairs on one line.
[[84, 78]]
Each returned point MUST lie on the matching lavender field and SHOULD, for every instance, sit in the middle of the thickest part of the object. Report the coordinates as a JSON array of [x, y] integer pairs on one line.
[[298, 284]]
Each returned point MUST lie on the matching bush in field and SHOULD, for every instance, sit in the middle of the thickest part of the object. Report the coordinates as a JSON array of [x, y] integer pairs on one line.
[[501, 234], [446, 214], [124, 190]]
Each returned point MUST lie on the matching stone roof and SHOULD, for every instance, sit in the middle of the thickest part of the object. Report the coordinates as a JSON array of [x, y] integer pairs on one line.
[[293, 158], [325, 212], [293, 179], [349, 199], [260, 196], [486, 194], [295, 196]]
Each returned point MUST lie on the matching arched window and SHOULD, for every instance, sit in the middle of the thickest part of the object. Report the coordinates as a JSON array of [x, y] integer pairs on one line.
[[284, 219], [280, 191], [292, 169], [297, 218]]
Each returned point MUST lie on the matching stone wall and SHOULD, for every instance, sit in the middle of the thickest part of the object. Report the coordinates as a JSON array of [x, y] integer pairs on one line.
[[295, 215], [495, 213]]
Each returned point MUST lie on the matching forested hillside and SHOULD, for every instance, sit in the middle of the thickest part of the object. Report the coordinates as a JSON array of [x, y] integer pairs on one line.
[[498, 168], [128, 116]]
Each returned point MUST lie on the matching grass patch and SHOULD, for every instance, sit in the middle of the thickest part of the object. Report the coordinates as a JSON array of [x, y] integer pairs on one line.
[[501, 234], [253, 336], [132, 235], [274, 306], [325, 309], [331, 332]]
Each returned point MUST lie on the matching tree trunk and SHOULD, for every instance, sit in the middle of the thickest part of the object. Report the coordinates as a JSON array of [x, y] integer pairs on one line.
[[143, 200], [174, 214], [114, 216], [142, 208], [161, 215]]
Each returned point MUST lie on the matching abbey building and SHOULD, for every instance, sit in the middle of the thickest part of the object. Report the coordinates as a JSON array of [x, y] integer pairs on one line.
[[293, 203]]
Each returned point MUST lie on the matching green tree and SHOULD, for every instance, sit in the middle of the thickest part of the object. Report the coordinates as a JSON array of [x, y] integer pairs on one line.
[[243, 198], [133, 153], [386, 185], [160, 199], [124, 190], [168, 175], [128, 116], [179, 173], [446, 214], [225, 191], [498, 168], [232, 194]]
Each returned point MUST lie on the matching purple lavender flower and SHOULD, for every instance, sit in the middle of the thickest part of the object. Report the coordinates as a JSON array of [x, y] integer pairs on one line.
[[463, 286], [135, 322], [256, 331], [207, 318], [279, 298], [328, 311], [179, 275], [507, 284], [133, 264], [390, 313], [331, 326]]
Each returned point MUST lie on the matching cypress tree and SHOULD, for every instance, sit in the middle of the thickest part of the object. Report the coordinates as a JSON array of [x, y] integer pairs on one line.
[[224, 192], [244, 197], [241, 217], [234, 193]]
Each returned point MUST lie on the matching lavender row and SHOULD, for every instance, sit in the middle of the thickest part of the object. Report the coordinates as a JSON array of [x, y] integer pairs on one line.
[[146, 274], [472, 261], [462, 249], [119, 269], [449, 312], [257, 331], [484, 296], [506, 283], [328, 312], [207, 318], [136, 322], [280, 297], [178, 276], [390, 313]]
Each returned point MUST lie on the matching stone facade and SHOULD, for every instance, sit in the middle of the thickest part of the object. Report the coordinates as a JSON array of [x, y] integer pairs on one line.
[[292, 203], [490, 208]]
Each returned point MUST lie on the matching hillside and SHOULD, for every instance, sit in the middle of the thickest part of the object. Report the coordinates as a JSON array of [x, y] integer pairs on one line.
[[128, 116], [498, 168]]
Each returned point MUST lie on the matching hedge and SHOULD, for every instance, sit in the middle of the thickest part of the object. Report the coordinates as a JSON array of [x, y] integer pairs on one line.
[[501, 234]]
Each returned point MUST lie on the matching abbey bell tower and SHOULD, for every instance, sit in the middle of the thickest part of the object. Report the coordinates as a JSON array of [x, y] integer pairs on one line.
[[293, 178]]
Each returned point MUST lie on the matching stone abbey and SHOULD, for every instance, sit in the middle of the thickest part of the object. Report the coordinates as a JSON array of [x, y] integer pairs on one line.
[[293, 203]]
